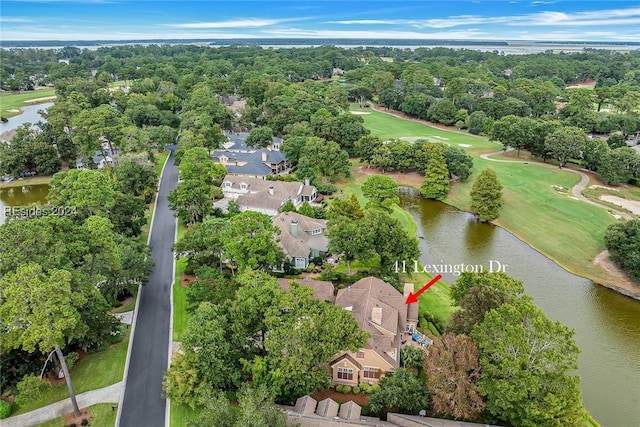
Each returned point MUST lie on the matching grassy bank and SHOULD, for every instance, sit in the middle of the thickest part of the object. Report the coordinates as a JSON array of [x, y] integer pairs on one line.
[[102, 415], [95, 371], [10, 103], [570, 232], [21, 182]]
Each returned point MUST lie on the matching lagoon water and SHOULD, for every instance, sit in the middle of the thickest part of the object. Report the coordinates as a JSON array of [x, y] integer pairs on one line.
[[30, 114], [607, 324]]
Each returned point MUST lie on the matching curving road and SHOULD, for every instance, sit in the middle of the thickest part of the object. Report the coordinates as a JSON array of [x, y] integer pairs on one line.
[[576, 190], [143, 404]]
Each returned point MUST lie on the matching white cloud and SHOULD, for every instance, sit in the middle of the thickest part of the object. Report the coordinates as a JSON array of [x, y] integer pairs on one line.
[[8, 19], [576, 19], [73, 33], [629, 16], [374, 34], [235, 23]]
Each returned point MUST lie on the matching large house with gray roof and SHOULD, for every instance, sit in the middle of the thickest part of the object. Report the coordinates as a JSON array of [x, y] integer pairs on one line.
[[379, 309], [244, 160], [267, 197]]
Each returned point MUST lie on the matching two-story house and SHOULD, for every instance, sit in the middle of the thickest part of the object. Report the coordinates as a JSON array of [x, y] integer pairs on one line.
[[379, 309], [301, 238], [244, 160], [267, 197]]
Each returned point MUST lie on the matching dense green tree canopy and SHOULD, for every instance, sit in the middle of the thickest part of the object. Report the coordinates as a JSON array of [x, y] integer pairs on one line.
[[323, 160], [527, 366], [250, 241], [401, 392], [623, 243], [381, 191], [486, 196], [436, 180]]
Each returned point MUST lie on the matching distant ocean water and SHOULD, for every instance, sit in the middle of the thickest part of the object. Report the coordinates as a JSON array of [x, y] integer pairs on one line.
[[502, 47]]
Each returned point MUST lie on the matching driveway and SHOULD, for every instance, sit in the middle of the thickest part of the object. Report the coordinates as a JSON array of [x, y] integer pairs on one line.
[[143, 403]]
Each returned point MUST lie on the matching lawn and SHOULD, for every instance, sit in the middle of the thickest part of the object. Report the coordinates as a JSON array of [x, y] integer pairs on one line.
[[32, 180], [180, 315], [353, 184], [570, 231], [436, 301], [161, 157], [102, 416], [96, 371], [10, 102], [180, 414], [387, 126]]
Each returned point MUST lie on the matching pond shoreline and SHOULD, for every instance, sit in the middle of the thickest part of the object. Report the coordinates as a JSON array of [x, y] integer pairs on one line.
[[627, 287], [21, 182]]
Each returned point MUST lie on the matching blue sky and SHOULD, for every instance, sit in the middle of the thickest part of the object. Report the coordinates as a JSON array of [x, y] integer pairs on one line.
[[457, 19]]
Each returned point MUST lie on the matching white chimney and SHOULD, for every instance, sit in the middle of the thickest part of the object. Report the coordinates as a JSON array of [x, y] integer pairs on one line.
[[294, 228], [271, 190], [306, 181], [264, 156]]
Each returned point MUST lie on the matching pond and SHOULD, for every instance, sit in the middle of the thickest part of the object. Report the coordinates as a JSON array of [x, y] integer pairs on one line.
[[606, 323], [29, 115], [21, 196]]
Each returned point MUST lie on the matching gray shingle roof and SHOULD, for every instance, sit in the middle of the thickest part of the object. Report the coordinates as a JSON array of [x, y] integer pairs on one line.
[[371, 297], [250, 163], [300, 246]]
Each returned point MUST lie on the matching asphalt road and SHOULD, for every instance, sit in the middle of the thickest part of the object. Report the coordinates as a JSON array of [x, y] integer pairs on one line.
[[143, 404]]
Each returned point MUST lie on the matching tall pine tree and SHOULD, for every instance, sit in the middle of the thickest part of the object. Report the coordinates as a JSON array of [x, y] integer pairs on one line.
[[436, 180], [486, 196]]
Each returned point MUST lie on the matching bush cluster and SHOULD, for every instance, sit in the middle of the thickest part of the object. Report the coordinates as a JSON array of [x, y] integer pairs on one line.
[[5, 409]]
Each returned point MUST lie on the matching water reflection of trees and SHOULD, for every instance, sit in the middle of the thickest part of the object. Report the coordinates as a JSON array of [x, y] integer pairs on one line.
[[478, 238], [23, 196]]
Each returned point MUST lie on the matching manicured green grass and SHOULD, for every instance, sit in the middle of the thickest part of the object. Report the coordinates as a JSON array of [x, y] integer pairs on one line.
[[33, 180], [160, 159], [180, 315], [181, 414], [436, 301], [13, 101], [569, 231], [387, 126], [96, 371], [102, 416], [353, 184], [566, 230]]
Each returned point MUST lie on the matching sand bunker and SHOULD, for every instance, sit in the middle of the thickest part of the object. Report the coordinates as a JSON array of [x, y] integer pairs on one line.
[[360, 113], [465, 145], [424, 138], [13, 111], [45, 98], [630, 205]]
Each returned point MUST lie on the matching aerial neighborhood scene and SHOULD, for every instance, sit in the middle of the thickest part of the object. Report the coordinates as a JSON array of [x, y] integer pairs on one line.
[[341, 214]]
